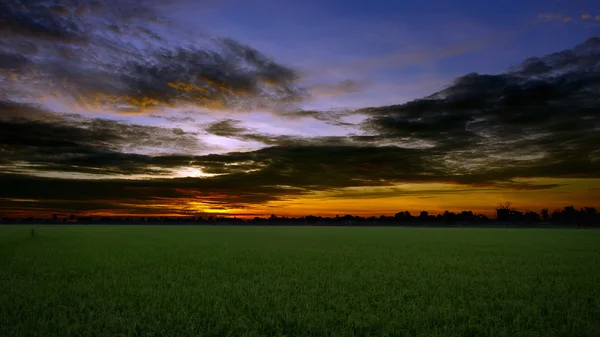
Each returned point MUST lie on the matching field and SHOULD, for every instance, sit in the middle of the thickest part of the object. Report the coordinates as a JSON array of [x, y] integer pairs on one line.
[[298, 281]]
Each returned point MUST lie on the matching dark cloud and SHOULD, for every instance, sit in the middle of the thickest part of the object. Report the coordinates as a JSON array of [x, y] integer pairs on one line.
[[332, 117], [74, 21], [44, 20], [157, 196], [85, 49], [12, 61], [53, 142], [233, 129], [485, 131], [236, 77], [539, 119], [249, 178]]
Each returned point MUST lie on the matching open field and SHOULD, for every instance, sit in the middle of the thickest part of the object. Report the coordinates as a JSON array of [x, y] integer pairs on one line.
[[258, 281]]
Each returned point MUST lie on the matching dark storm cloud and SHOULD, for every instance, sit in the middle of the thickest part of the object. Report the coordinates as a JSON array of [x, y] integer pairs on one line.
[[110, 53]]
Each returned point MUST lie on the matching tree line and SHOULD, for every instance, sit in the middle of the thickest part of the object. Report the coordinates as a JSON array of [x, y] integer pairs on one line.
[[505, 214]]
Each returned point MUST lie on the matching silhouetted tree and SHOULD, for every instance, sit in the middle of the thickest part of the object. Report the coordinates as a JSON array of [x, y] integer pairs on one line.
[[449, 216], [570, 214], [557, 215], [466, 216], [503, 211], [403, 216], [531, 216], [545, 214]]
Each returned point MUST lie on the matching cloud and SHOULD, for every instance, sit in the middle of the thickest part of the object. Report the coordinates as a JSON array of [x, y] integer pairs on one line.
[[40, 20], [237, 77], [585, 17], [234, 129], [49, 142], [545, 17], [337, 89], [568, 19], [333, 117], [157, 196], [537, 119], [114, 54]]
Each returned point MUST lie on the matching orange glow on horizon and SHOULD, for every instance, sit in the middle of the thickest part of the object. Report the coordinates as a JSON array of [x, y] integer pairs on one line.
[[434, 198]]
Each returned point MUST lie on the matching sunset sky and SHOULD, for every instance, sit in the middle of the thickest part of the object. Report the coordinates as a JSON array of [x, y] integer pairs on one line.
[[322, 107]]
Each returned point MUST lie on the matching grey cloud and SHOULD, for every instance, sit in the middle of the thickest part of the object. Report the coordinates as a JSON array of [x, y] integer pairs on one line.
[[235, 129], [47, 139], [85, 49], [545, 110], [486, 131], [330, 117]]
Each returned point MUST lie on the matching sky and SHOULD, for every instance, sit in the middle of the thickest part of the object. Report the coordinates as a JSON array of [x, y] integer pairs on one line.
[[259, 107]]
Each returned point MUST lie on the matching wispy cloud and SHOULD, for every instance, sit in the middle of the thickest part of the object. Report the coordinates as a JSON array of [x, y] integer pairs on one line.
[[341, 88], [545, 17]]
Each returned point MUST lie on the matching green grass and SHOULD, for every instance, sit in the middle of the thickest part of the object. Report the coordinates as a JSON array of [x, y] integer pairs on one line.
[[237, 281]]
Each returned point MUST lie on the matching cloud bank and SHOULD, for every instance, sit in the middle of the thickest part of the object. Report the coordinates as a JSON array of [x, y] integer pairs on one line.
[[539, 119]]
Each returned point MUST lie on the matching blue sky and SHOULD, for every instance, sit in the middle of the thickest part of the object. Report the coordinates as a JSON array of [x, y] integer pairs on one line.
[[375, 43]]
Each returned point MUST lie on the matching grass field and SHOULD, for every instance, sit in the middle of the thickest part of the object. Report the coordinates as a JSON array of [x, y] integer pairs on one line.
[[240, 281]]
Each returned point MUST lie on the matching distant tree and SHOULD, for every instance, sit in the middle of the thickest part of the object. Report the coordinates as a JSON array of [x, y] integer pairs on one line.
[[570, 214], [466, 216], [55, 217], [589, 215], [503, 211], [72, 217], [449, 216], [557, 215], [424, 215], [403, 216], [531, 216], [482, 217], [545, 214]]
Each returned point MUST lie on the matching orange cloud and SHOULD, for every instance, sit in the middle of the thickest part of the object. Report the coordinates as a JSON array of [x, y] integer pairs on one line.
[[568, 19], [586, 17], [597, 17]]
